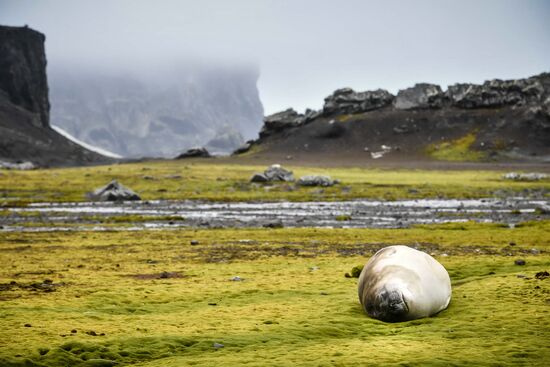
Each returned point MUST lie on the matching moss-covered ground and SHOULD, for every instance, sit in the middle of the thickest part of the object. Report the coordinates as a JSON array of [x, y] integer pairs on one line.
[[164, 298], [457, 150], [217, 180]]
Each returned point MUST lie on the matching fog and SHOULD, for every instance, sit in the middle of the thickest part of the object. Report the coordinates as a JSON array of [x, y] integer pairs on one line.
[[304, 48]]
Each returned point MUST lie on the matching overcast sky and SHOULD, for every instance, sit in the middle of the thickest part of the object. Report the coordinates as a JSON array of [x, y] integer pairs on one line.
[[305, 48]]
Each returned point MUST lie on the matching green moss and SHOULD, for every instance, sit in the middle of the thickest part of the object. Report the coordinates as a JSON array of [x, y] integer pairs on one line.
[[216, 180], [456, 150], [282, 313]]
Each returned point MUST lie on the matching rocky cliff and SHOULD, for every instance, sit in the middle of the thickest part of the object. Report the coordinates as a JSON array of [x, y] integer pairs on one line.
[[158, 115], [496, 120], [25, 132]]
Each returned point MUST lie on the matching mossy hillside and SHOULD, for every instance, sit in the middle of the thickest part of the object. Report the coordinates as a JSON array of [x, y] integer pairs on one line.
[[230, 182], [457, 150], [294, 306]]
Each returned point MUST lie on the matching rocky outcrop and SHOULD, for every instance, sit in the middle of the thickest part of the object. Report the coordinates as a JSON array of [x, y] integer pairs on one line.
[[495, 93], [497, 120], [25, 133], [346, 100], [194, 153], [420, 96], [23, 80]]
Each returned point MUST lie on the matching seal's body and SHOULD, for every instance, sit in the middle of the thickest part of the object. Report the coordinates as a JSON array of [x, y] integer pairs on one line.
[[400, 283]]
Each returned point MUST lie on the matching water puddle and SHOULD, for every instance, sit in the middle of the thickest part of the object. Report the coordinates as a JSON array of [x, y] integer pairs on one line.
[[164, 214]]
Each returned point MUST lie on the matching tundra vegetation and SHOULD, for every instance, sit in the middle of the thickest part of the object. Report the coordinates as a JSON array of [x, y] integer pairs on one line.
[[263, 296]]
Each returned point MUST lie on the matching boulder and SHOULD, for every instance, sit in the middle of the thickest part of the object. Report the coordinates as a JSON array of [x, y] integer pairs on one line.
[[113, 191], [316, 180], [23, 166], [531, 176], [194, 153], [346, 100], [421, 96], [277, 173], [258, 177], [273, 173]]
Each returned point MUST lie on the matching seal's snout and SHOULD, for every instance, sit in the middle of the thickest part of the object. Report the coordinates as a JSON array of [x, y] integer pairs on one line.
[[390, 306]]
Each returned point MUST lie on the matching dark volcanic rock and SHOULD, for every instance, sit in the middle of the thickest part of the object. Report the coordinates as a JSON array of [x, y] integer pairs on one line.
[[494, 93], [346, 100], [280, 121], [420, 96], [25, 132], [113, 191], [23, 72], [195, 153]]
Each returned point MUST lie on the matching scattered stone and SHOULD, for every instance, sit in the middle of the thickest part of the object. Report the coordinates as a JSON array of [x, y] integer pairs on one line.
[[519, 262], [532, 176], [236, 279], [317, 180], [542, 275], [113, 191], [23, 166], [194, 242], [274, 224], [218, 345], [91, 332], [314, 268], [535, 251], [194, 153], [258, 177], [273, 173]]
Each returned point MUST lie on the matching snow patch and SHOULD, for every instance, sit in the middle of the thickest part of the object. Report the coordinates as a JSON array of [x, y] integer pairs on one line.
[[101, 151]]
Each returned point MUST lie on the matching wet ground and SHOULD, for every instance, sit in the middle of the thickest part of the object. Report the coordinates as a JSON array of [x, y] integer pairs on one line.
[[341, 214]]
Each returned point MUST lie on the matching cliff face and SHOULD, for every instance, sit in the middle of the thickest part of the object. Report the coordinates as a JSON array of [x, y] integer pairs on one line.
[[160, 115], [499, 119], [23, 80], [25, 132]]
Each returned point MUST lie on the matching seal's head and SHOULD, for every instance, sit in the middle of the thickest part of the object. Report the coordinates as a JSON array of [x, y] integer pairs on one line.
[[389, 305]]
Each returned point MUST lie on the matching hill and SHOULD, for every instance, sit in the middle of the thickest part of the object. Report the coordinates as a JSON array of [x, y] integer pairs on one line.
[[497, 121]]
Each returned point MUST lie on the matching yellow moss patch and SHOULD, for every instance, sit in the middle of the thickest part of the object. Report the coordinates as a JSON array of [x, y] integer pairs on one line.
[[212, 180], [456, 150], [294, 306]]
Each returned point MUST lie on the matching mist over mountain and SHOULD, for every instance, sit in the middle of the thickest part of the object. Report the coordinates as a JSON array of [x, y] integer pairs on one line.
[[159, 111]]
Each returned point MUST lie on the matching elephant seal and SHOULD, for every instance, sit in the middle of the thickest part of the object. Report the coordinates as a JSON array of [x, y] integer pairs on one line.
[[400, 283]]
